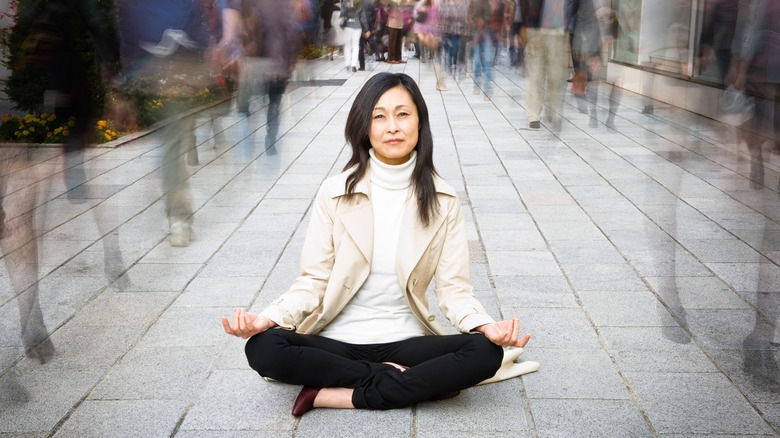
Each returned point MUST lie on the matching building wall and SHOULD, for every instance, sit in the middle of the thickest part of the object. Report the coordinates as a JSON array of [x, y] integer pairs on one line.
[[694, 97]]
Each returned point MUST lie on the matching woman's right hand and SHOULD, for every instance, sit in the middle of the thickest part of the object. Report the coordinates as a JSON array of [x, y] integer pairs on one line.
[[246, 324]]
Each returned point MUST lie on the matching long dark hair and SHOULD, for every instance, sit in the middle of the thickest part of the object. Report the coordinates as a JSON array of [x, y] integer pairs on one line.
[[359, 124]]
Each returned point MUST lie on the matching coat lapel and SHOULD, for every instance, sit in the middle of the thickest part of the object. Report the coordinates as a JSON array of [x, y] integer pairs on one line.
[[358, 219], [359, 224]]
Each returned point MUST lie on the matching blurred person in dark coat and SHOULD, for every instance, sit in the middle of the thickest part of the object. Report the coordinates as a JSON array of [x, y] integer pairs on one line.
[[69, 44], [591, 30], [271, 46], [755, 69]]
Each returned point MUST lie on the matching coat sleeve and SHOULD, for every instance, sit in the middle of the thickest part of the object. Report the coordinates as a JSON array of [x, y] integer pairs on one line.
[[317, 257], [453, 287]]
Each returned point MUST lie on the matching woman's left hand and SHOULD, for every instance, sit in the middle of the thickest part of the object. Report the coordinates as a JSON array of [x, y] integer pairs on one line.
[[504, 333]]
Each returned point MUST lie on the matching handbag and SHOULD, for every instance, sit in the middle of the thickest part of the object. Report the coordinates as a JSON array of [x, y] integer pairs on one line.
[[736, 107], [421, 16], [343, 21]]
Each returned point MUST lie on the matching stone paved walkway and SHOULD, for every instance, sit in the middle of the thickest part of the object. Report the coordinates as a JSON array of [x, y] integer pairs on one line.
[[640, 259]]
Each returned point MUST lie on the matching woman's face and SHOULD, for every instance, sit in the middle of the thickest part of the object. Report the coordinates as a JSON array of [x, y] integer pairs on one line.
[[395, 126]]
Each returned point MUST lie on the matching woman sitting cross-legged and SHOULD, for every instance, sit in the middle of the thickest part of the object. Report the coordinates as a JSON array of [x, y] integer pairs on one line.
[[353, 328]]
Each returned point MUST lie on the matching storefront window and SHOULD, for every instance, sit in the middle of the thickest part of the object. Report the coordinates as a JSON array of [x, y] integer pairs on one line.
[[669, 36]]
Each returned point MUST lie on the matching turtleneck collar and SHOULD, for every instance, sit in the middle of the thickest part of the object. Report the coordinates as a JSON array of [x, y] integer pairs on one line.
[[388, 176]]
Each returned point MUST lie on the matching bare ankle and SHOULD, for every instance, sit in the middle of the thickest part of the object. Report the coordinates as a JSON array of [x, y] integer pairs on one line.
[[339, 398]]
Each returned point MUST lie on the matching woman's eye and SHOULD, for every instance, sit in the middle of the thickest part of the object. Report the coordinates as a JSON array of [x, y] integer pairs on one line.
[[379, 116]]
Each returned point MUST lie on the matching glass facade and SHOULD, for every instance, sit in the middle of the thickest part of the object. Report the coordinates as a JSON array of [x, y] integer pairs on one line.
[[688, 39]]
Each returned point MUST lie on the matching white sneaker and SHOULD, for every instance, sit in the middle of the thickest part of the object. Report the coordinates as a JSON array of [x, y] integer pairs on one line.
[[180, 234]]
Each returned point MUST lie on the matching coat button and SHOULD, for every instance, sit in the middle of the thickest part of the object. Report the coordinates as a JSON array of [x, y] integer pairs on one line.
[[431, 318]]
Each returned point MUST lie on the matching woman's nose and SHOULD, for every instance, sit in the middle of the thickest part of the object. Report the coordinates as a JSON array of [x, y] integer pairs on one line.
[[392, 126]]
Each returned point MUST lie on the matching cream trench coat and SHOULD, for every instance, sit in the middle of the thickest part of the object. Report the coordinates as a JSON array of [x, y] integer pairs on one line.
[[336, 260]]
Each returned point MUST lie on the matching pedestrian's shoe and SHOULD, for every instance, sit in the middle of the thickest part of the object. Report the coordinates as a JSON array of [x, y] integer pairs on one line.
[[354, 69], [192, 157], [648, 109], [535, 124], [305, 401], [180, 234]]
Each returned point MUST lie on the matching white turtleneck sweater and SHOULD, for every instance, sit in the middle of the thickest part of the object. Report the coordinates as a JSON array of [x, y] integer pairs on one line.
[[379, 312]]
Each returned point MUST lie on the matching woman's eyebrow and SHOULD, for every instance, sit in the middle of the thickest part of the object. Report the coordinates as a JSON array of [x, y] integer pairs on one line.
[[381, 108]]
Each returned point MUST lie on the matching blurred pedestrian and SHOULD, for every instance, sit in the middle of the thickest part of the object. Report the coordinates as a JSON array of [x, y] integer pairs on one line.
[[546, 53], [486, 22], [395, 26], [326, 13], [165, 49], [350, 23], [591, 20], [273, 39]]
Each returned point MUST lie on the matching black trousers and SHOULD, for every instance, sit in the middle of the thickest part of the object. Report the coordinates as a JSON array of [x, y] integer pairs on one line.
[[438, 364]]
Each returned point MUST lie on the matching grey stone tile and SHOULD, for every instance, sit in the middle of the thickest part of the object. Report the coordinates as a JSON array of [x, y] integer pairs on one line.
[[255, 263], [121, 418], [721, 329], [157, 374], [160, 277], [624, 308], [34, 401], [574, 374], [696, 292], [241, 400], [497, 206], [82, 347], [259, 222], [513, 240], [210, 214], [464, 414], [175, 328], [533, 291], [570, 231], [597, 276], [503, 222], [754, 374], [267, 433], [522, 263], [198, 251], [220, 292], [772, 412], [137, 309], [678, 358], [577, 251], [589, 418], [556, 328], [331, 422], [749, 277], [693, 403], [669, 261]]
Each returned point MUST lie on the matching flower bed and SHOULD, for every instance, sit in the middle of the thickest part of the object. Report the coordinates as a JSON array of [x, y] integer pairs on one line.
[[127, 111]]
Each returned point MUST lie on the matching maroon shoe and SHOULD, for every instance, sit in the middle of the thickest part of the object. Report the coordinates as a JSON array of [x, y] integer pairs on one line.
[[305, 401]]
